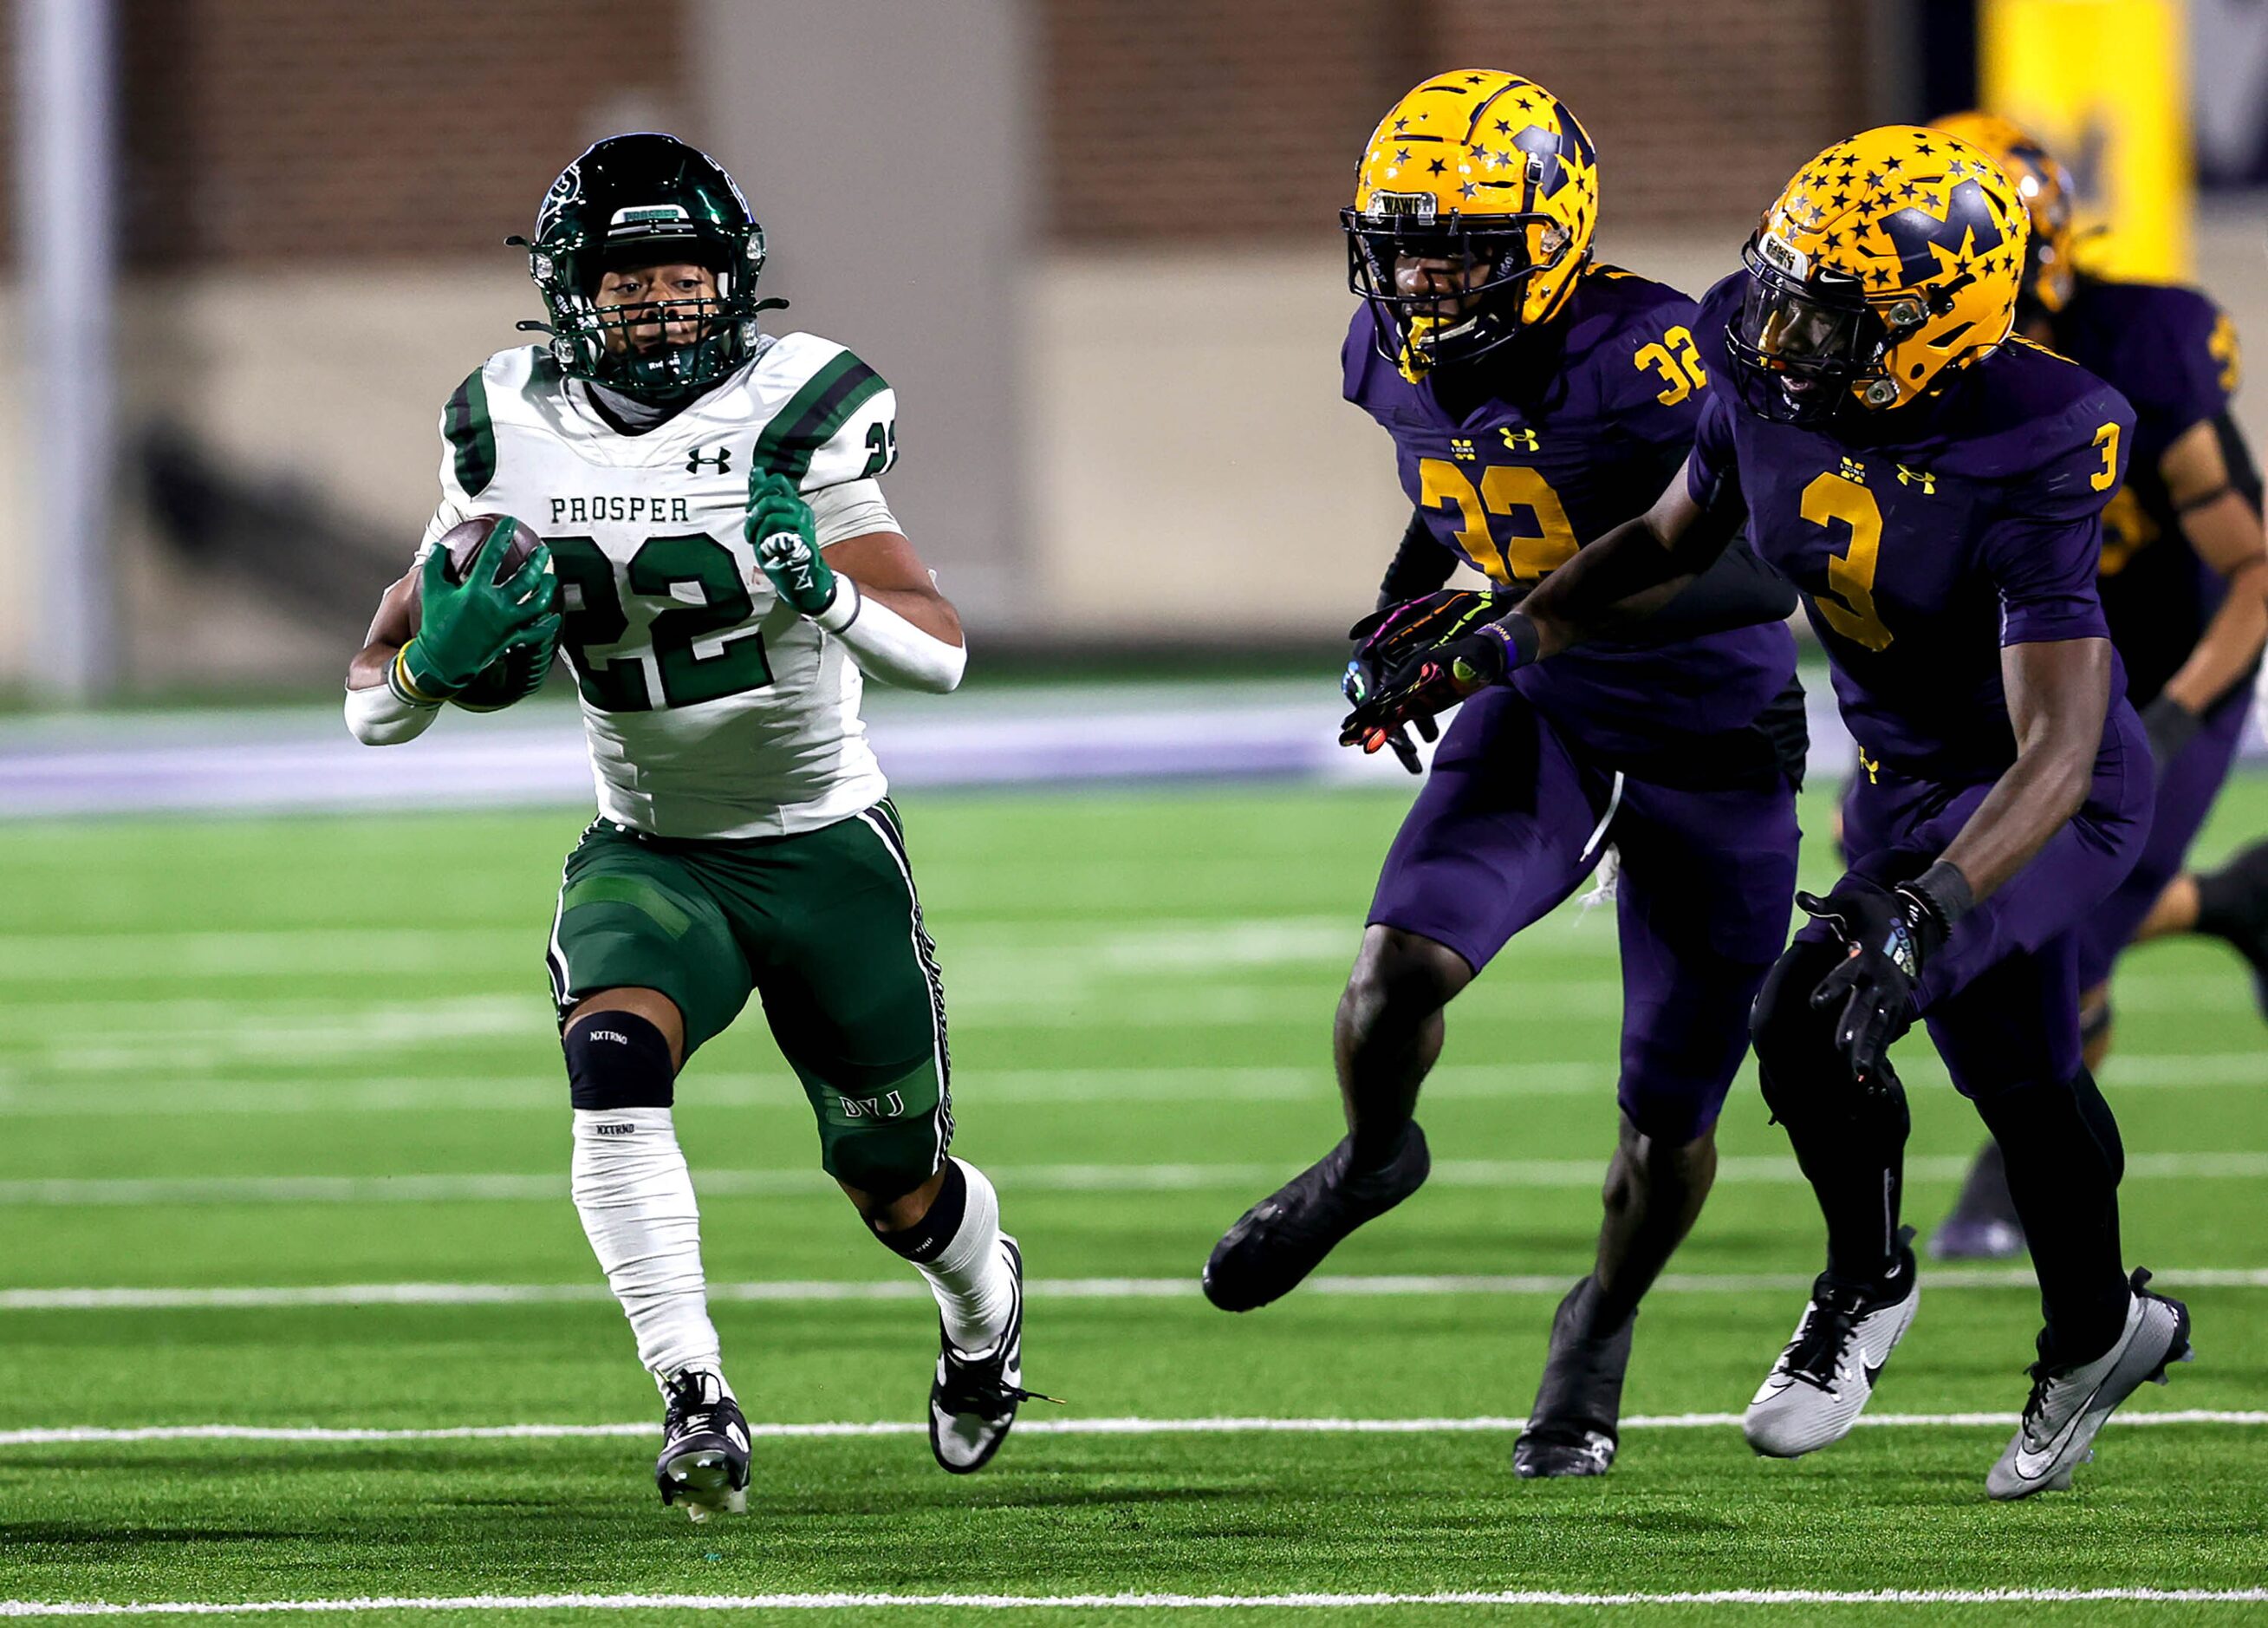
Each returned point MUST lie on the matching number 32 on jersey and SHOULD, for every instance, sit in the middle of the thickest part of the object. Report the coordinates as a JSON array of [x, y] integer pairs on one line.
[[1514, 492]]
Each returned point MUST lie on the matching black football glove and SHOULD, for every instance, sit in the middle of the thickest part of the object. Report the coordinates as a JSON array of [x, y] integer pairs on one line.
[[1891, 934], [1395, 679], [2171, 727]]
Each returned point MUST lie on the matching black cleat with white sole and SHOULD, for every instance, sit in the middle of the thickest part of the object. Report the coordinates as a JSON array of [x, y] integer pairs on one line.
[[1284, 1237], [974, 1399], [705, 1449], [2069, 1404], [1573, 1427]]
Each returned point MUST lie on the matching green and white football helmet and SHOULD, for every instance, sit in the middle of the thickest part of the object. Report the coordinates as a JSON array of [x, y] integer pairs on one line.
[[646, 199]]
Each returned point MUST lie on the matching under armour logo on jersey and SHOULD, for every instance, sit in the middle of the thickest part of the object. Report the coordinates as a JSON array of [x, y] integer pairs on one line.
[[1518, 440], [721, 460], [1922, 478]]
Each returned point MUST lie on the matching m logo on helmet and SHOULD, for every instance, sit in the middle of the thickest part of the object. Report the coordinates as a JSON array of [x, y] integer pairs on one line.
[[1967, 232], [1550, 157]]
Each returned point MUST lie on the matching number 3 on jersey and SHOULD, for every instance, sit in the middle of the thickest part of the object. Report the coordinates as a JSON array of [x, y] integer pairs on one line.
[[1849, 608], [1508, 489], [660, 565]]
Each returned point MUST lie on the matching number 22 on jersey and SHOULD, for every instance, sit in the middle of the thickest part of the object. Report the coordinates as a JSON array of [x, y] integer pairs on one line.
[[1506, 489], [688, 677]]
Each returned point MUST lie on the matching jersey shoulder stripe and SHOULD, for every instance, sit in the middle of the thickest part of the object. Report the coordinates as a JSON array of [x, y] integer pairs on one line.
[[811, 417], [465, 426]]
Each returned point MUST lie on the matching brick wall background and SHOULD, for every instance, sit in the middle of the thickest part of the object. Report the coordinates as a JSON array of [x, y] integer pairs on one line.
[[263, 129], [1192, 120], [290, 130]]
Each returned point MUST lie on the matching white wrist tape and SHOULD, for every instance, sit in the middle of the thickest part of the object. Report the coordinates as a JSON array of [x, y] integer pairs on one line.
[[888, 646], [378, 716]]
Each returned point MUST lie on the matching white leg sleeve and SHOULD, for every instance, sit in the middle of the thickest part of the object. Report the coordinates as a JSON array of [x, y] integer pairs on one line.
[[969, 1277], [635, 1197]]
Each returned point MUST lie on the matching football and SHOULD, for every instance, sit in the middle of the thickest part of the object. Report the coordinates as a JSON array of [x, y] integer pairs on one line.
[[511, 676]]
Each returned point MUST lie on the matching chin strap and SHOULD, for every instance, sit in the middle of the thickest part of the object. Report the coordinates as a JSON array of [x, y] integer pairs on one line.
[[1412, 363]]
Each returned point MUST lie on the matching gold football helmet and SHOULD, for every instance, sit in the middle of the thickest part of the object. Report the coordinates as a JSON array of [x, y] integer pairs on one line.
[[1891, 261], [1474, 207], [2050, 270]]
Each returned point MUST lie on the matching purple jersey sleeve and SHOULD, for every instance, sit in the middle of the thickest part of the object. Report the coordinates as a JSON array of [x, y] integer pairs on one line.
[[2192, 369], [1652, 376], [1712, 475], [2042, 546]]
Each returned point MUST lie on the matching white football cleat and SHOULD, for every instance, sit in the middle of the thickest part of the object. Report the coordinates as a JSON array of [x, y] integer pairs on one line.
[[1824, 1379], [2068, 1405]]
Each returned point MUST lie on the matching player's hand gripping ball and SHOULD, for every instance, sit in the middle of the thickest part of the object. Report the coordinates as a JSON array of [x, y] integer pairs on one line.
[[779, 524], [483, 616]]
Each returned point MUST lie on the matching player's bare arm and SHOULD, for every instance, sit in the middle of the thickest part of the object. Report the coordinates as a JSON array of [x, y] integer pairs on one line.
[[871, 591], [2057, 695], [389, 632], [1630, 574], [887, 572], [2223, 527], [1633, 571]]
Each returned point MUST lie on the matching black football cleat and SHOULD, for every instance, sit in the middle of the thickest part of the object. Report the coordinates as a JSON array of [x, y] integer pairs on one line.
[[705, 1449], [2232, 906], [974, 1399], [1285, 1237], [1573, 1427]]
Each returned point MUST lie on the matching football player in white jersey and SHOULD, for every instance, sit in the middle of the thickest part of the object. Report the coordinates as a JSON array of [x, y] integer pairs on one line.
[[720, 566]]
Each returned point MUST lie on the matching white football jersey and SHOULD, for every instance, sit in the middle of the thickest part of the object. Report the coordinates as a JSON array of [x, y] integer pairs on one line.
[[712, 709]]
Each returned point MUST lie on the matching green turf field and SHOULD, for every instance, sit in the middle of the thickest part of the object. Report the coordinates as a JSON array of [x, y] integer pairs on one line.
[[275, 1056]]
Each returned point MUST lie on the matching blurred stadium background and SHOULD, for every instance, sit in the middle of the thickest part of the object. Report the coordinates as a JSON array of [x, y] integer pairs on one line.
[[255, 244], [1093, 243]]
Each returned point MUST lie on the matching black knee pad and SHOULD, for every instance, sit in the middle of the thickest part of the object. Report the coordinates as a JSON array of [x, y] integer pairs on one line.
[[617, 1059], [1797, 1065]]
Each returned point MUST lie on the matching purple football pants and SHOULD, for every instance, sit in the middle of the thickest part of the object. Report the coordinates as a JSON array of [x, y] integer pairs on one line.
[[1511, 820]]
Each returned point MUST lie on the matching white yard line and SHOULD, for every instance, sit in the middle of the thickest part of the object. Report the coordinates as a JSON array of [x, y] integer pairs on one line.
[[1483, 1425], [135, 1095], [792, 1291], [493, 1186], [1555, 1598]]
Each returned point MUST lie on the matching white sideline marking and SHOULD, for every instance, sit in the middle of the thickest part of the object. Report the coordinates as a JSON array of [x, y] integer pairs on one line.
[[491, 1186], [792, 1290], [1118, 1601], [1482, 1425]]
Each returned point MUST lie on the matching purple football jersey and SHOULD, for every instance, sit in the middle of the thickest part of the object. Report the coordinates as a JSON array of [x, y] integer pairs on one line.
[[1565, 446], [2172, 353], [1924, 539]]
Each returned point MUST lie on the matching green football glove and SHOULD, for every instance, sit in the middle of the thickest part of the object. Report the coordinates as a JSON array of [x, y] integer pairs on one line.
[[779, 524], [464, 626]]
